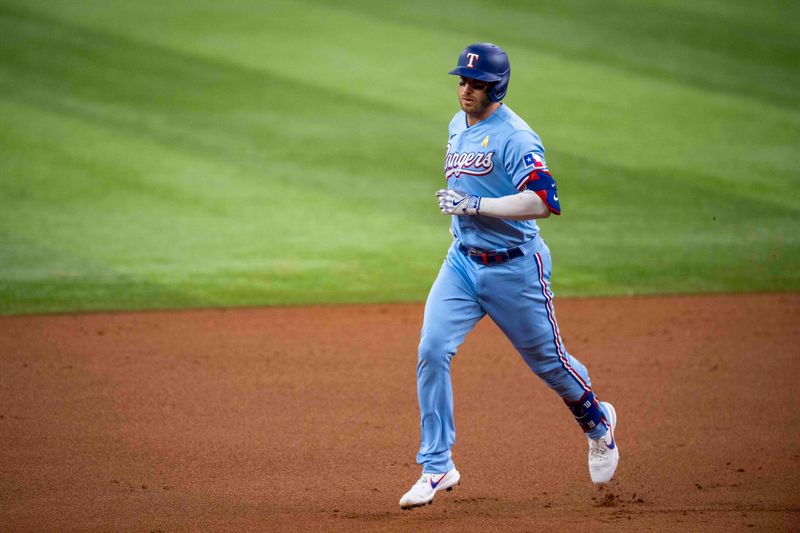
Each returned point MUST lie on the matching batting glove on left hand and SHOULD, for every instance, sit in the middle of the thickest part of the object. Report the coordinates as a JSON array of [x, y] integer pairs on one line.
[[455, 202]]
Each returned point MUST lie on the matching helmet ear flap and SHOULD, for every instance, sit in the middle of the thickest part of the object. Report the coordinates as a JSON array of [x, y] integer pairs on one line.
[[501, 87], [497, 91], [493, 93]]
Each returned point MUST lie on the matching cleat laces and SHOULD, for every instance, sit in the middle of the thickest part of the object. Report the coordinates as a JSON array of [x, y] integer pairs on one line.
[[598, 449]]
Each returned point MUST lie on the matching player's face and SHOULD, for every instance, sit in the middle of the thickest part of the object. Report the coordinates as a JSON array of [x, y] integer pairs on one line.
[[473, 96]]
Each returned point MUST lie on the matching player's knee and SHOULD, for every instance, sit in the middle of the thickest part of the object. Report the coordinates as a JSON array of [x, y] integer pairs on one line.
[[433, 351], [552, 374]]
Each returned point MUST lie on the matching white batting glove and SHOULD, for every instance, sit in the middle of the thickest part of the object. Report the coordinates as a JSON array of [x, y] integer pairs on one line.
[[454, 202]]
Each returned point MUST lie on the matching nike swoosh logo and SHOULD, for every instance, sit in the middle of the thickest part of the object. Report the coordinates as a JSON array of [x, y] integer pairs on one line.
[[434, 485], [455, 202]]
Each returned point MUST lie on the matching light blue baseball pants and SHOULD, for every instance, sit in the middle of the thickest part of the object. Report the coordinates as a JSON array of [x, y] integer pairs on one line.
[[516, 295]]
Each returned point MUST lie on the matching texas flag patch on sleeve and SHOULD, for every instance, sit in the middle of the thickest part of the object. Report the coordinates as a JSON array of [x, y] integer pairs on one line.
[[534, 161]]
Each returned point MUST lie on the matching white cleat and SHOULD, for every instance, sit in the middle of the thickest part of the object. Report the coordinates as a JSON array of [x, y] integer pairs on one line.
[[423, 491], [604, 452]]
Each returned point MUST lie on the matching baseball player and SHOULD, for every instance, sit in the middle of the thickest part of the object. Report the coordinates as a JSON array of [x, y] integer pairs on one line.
[[498, 183]]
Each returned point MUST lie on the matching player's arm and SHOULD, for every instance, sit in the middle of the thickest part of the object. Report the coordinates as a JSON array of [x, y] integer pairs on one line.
[[526, 205], [523, 206]]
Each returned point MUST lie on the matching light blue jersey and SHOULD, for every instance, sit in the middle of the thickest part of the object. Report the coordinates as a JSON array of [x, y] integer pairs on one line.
[[493, 158]]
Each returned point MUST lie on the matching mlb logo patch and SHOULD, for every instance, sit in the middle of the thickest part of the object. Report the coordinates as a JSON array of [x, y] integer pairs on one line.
[[534, 161]]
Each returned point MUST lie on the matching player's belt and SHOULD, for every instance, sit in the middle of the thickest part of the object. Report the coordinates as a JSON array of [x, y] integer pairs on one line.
[[491, 257]]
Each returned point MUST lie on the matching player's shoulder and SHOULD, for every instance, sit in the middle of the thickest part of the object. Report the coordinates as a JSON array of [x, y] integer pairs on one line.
[[515, 125], [518, 134]]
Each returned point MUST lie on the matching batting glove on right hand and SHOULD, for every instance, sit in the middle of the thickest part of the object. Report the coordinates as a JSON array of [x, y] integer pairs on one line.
[[455, 202]]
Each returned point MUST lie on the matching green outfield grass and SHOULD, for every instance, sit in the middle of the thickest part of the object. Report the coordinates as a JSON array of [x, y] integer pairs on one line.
[[213, 153]]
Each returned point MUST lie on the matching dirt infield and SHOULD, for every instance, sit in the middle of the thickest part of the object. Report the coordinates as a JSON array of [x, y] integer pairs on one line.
[[306, 418]]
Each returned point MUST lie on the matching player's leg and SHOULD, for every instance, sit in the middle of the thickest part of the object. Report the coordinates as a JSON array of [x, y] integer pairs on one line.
[[451, 311], [521, 303], [597, 419], [527, 317]]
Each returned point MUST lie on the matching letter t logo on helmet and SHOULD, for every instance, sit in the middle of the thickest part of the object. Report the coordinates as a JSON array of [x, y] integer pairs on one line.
[[485, 62]]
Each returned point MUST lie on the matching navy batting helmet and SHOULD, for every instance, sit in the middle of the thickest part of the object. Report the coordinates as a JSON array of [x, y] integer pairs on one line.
[[485, 62]]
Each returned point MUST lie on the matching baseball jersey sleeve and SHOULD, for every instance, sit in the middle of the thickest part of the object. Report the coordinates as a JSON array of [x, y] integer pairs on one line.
[[527, 167]]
